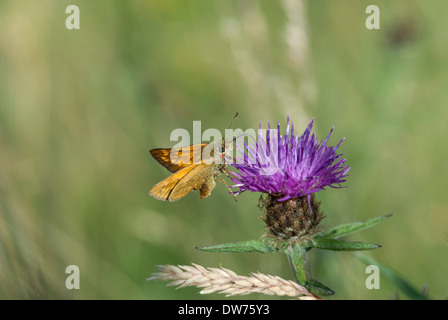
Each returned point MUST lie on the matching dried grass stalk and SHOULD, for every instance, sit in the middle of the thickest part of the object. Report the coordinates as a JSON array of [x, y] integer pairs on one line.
[[225, 281]]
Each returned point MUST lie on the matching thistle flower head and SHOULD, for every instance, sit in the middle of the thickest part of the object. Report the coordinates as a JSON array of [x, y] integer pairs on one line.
[[289, 166]]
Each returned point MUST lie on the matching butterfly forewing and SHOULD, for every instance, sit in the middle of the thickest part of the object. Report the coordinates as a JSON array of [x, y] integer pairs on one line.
[[178, 158]]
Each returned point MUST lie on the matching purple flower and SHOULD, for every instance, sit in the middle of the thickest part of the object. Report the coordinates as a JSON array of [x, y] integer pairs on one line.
[[289, 166]]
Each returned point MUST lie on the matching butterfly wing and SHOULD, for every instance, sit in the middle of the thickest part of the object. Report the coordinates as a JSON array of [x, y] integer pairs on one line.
[[178, 158], [182, 182]]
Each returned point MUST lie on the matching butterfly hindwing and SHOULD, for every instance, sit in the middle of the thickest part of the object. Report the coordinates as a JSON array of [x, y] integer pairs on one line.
[[182, 182]]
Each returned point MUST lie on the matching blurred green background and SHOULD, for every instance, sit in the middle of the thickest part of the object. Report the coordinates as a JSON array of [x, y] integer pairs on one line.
[[79, 110]]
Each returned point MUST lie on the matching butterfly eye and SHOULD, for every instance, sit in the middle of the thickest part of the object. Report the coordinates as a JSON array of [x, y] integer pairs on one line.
[[221, 149]]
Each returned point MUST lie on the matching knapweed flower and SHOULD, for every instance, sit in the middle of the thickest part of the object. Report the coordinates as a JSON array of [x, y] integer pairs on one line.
[[290, 169], [289, 166]]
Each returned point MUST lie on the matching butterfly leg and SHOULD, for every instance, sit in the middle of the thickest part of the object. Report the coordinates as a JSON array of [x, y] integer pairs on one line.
[[226, 172], [231, 192]]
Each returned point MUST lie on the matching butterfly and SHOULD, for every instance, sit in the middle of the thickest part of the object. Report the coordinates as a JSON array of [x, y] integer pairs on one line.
[[194, 168]]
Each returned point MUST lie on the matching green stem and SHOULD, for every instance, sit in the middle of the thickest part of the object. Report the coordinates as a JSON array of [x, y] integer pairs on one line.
[[299, 263]]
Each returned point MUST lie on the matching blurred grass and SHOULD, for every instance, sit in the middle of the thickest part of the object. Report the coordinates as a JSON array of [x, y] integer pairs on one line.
[[80, 109]]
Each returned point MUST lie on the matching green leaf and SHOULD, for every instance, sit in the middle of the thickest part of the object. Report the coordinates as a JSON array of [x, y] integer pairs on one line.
[[318, 288], [340, 245], [245, 246], [348, 228], [298, 261], [394, 277]]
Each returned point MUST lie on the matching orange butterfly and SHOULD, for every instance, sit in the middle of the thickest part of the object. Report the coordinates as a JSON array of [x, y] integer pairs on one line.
[[191, 169]]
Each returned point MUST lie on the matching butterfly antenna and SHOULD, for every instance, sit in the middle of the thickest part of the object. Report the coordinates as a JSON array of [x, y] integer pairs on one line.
[[243, 135], [231, 122]]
